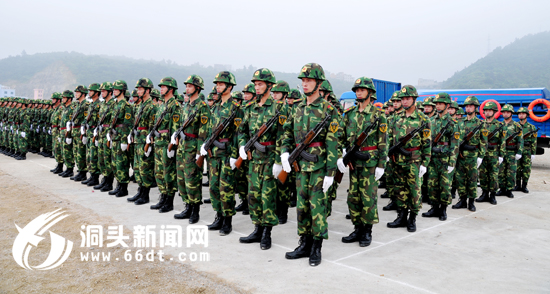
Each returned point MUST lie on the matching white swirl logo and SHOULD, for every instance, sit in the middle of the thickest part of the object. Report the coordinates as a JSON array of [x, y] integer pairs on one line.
[[29, 237]]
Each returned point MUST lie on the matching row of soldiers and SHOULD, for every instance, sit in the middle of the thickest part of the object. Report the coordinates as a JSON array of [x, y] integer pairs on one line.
[[269, 140]]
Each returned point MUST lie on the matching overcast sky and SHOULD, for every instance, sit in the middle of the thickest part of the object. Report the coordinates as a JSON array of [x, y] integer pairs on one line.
[[392, 40]]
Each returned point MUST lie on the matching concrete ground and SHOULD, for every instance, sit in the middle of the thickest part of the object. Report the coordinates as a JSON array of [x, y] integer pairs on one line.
[[497, 249]]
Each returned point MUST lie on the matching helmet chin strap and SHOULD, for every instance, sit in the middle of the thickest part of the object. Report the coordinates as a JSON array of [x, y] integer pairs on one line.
[[317, 84], [441, 111], [221, 93], [407, 108], [267, 90]]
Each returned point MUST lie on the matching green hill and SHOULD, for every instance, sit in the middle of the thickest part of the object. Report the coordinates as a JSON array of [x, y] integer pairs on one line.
[[524, 63]]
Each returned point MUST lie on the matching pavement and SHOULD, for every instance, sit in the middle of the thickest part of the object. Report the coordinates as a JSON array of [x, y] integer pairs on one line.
[[497, 249]]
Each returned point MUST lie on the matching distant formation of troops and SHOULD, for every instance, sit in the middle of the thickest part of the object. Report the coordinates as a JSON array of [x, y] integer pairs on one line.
[[276, 148]]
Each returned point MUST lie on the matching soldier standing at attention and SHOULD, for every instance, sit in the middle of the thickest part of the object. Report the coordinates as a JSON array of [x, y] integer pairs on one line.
[[294, 98], [409, 168], [68, 154], [391, 176], [91, 118], [429, 107], [514, 150], [23, 126], [314, 178], [471, 155], [79, 148], [529, 150], [104, 152], [362, 197], [56, 143]]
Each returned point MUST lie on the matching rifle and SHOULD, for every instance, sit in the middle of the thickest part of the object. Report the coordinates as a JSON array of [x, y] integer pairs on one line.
[[438, 138], [68, 134], [354, 153], [87, 126], [134, 130], [299, 150], [253, 142], [493, 133], [99, 127], [398, 147], [511, 137], [154, 131], [213, 139], [112, 131], [467, 139], [530, 133], [186, 123]]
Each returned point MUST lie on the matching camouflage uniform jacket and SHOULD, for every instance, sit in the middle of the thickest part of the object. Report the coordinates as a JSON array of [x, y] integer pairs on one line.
[[82, 108], [478, 140], [123, 121], [196, 132], [56, 119], [106, 112], [91, 117], [419, 145], [530, 143], [145, 113], [495, 146], [516, 144], [169, 123], [229, 137], [447, 147], [66, 115]]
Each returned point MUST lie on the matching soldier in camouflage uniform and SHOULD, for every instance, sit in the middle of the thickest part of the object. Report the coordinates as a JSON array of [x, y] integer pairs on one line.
[[168, 119], [23, 126], [430, 111], [100, 134], [190, 140], [65, 124], [55, 121], [488, 171], [91, 119], [443, 158], [294, 98], [529, 149], [390, 175], [409, 168], [362, 197], [264, 202], [471, 156], [314, 178], [79, 147], [514, 151], [429, 107]]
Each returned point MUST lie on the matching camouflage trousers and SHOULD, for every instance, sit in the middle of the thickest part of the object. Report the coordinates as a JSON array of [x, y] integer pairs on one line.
[[79, 150], [242, 180], [68, 154], [22, 143], [390, 181], [121, 162], [439, 181], [104, 155], [362, 196], [466, 174], [262, 195], [189, 177], [92, 157], [144, 167], [488, 173], [407, 186], [57, 147], [311, 206], [222, 182], [507, 172], [331, 196], [524, 168], [165, 170]]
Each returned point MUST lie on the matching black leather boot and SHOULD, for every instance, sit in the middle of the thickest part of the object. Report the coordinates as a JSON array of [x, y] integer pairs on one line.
[[453, 192], [168, 204], [240, 207], [500, 192], [524, 187], [94, 180], [282, 213], [303, 249], [509, 194], [226, 227], [62, 173], [81, 176], [144, 197], [57, 168], [443, 212], [411, 223], [471, 206], [518, 185], [265, 243], [492, 198], [195, 216], [102, 184], [315, 256], [123, 191], [115, 191], [433, 212], [401, 220], [365, 237], [132, 178], [186, 213], [353, 237], [385, 195], [246, 209], [108, 184], [484, 197], [254, 237], [162, 199], [87, 180], [135, 197], [218, 222], [207, 200], [22, 156], [460, 204], [392, 205], [69, 173]]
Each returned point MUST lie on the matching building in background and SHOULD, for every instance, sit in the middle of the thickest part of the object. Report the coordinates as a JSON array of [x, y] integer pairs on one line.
[[38, 93], [6, 92]]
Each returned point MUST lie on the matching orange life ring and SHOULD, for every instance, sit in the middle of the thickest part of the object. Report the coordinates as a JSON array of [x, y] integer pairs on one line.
[[538, 118], [379, 104], [485, 102]]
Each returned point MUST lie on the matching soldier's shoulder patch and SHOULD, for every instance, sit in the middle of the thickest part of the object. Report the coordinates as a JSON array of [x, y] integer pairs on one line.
[[282, 119], [85, 113], [330, 107], [426, 133], [127, 116], [350, 109], [176, 117], [235, 103], [333, 127], [249, 103], [203, 103], [485, 132], [204, 119], [534, 135], [278, 101], [457, 135], [383, 127], [238, 121]]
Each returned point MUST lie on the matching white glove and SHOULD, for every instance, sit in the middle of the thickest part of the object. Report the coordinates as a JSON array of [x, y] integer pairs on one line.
[[327, 182], [422, 171], [378, 173], [96, 143], [38, 129], [129, 138], [123, 147], [532, 157], [340, 164], [68, 125], [232, 163], [82, 130], [49, 132], [277, 168], [203, 151], [518, 156], [242, 153], [171, 153], [31, 126], [344, 152], [11, 128], [450, 169], [286, 164], [84, 140], [23, 134], [479, 161], [69, 141], [95, 132], [197, 156], [500, 160], [148, 139], [59, 140], [148, 152], [108, 137], [44, 129], [173, 139]]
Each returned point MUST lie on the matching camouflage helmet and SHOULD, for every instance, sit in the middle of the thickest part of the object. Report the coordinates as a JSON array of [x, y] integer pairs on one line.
[[237, 95], [127, 94], [442, 98], [68, 94], [214, 91], [428, 101], [134, 93], [155, 93], [180, 98], [120, 85], [312, 71], [94, 87], [454, 105], [471, 100], [144, 83], [106, 86], [507, 107], [408, 91], [249, 88], [281, 86], [326, 86], [169, 82], [195, 80], [363, 82], [395, 96], [419, 105], [490, 105], [295, 94], [373, 96], [55, 95], [522, 110], [225, 77], [201, 96], [81, 89], [460, 111], [265, 75]]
